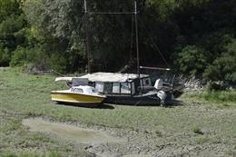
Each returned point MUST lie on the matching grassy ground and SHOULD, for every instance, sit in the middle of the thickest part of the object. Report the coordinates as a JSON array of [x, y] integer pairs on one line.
[[217, 98], [200, 125]]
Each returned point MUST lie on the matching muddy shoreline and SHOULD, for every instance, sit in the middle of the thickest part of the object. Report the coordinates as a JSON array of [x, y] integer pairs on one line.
[[122, 142]]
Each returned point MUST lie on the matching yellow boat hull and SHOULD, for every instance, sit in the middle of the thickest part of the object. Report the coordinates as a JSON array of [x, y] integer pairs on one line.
[[76, 98]]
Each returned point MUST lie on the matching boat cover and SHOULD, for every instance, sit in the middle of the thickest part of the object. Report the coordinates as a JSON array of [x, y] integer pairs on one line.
[[104, 77], [112, 77]]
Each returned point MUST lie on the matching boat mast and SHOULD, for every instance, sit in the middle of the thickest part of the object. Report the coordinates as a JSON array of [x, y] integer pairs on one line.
[[136, 37], [88, 53]]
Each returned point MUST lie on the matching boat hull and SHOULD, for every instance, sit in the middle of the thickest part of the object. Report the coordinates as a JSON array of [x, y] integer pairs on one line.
[[76, 98], [133, 100]]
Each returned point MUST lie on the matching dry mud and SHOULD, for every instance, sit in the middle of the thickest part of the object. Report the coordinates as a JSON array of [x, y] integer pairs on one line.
[[70, 132], [114, 142]]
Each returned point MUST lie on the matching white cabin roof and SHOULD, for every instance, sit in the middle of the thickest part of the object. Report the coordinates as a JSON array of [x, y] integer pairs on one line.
[[112, 77], [105, 77]]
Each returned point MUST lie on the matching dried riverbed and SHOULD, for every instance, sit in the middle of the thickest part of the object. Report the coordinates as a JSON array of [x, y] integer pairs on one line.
[[32, 125], [107, 142]]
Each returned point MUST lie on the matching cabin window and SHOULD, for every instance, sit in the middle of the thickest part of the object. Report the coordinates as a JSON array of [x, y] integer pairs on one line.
[[125, 88], [77, 90], [108, 87], [94, 91], [99, 86], [132, 88], [116, 88], [146, 82]]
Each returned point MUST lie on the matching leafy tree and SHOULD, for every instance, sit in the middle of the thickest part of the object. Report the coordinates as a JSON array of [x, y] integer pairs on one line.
[[12, 23], [192, 60], [224, 66]]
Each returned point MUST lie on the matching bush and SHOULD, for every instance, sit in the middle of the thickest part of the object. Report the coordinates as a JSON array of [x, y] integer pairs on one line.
[[19, 57], [5, 57], [197, 130], [30, 58], [222, 96], [223, 67], [192, 60], [58, 63]]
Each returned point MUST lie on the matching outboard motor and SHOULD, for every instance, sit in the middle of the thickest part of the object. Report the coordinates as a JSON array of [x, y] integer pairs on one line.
[[162, 95], [158, 84], [165, 96]]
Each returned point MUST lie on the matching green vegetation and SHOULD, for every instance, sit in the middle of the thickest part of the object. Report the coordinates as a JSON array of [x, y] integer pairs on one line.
[[197, 130], [219, 98], [23, 95], [25, 154], [202, 140], [196, 38]]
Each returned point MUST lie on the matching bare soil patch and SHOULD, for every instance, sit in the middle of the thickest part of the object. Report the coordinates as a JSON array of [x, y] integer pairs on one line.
[[69, 132]]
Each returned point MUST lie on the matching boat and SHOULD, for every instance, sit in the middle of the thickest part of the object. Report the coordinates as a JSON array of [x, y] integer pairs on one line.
[[78, 95], [124, 88]]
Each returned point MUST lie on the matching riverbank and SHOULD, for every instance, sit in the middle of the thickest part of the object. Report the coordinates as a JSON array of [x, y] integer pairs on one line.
[[192, 128]]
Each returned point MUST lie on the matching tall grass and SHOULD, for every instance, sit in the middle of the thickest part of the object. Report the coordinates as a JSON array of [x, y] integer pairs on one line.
[[220, 96], [225, 98]]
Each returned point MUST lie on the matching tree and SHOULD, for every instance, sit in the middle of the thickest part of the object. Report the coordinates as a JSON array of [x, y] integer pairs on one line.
[[224, 67], [192, 60], [12, 23]]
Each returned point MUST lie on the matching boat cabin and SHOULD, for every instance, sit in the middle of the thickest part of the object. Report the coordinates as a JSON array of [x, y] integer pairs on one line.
[[84, 90], [117, 83]]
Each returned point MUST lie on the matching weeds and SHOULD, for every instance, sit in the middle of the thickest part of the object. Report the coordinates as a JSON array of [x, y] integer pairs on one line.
[[202, 140], [24, 95], [197, 130], [28, 154], [222, 99]]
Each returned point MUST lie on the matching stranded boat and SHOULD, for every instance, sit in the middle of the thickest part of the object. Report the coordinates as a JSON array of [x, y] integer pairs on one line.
[[81, 95], [130, 89]]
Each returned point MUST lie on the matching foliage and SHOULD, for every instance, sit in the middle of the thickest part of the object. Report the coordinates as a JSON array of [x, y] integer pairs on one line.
[[223, 67], [194, 37], [12, 24], [33, 55], [219, 98], [4, 56], [192, 60], [197, 130]]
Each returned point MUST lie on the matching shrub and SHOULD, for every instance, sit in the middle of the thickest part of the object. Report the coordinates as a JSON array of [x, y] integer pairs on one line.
[[223, 67], [197, 130], [19, 57], [5, 57], [30, 58], [192, 60], [58, 63]]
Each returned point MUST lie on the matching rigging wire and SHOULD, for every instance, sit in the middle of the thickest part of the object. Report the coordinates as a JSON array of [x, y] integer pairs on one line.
[[112, 3], [110, 13], [77, 31], [155, 45], [132, 13]]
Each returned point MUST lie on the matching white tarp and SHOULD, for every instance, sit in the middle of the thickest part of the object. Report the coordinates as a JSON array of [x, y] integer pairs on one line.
[[104, 77], [111, 77], [64, 79]]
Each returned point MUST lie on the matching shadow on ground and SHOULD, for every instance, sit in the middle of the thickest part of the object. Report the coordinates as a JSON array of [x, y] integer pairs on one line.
[[92, 106], [173, 104]]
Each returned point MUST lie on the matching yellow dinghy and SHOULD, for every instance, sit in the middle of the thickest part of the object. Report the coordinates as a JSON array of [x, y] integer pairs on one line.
[[83, 95]]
